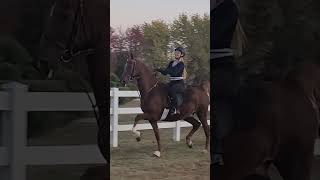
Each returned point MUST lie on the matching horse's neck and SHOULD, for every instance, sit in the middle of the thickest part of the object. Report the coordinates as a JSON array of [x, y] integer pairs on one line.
[[146, 81]]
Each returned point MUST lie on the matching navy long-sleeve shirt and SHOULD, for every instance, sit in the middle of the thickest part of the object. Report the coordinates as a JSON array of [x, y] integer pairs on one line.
[[175, 72]]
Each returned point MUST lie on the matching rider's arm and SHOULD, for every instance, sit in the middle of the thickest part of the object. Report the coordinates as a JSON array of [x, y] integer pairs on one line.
[[166, 70]]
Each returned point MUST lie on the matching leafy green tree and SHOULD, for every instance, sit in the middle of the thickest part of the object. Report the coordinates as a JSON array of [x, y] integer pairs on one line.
[[134, 39], [156, 41], [193, 33]]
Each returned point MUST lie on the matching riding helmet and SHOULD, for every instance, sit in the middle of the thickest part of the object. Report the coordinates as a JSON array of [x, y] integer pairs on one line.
[[182, 50]]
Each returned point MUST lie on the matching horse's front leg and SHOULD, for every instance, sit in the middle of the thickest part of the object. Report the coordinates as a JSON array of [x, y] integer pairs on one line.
[[156, 133], [136, 120]]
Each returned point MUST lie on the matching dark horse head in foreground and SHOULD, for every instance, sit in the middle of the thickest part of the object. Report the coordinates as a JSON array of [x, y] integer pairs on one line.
[[285, 115], [79, 28], [154, 100]]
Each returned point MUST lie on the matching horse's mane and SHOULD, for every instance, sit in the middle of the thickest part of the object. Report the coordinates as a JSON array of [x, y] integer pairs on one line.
[[148, 68]]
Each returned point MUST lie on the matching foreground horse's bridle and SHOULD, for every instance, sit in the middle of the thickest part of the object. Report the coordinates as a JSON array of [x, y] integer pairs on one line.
[[69, 52], [133, 70]]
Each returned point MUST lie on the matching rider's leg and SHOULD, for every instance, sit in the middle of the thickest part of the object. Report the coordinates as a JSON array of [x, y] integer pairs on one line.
[[174, 100], [174, 88], [225, 84]]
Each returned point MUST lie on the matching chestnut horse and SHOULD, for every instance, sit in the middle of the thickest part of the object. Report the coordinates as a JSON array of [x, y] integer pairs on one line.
[[80, 28], [284, 125], [154, 100]]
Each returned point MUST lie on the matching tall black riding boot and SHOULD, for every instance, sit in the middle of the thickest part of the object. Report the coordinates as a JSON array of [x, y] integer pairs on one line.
[[223, 125]]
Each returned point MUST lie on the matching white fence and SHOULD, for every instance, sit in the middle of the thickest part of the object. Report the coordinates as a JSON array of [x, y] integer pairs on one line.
[[16, 102], [15, 155], [115, 111]]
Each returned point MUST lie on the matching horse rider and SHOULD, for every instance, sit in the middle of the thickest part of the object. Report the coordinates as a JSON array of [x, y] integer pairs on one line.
[[176, 70], [225, 78]]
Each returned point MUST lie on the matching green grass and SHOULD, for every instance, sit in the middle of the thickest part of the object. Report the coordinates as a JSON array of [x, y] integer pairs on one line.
[[134, 160]]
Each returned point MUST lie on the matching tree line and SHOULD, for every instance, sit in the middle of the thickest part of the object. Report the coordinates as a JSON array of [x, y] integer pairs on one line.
[[154, 44]]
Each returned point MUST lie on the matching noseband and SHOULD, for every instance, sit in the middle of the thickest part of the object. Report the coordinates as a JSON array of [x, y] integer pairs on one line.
[[69, 50]]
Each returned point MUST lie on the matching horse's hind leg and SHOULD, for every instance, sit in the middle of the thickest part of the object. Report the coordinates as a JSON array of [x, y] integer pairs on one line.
[[195, 127], [156, 133], [202, 114], [136, 120], [295, 165]]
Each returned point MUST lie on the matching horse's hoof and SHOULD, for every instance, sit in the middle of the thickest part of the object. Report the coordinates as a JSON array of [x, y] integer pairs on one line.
[[190, 144], [138, 139], [157, 154], [137, 134], [205, 151]]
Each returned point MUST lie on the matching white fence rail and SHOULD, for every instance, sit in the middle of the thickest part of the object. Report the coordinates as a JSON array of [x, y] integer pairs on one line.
[[15, 155], [16, 102]]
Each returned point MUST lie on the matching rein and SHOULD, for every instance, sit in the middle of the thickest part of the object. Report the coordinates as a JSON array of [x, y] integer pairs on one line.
[[155, 85]]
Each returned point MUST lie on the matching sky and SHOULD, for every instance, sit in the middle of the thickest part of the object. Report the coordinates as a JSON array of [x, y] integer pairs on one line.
[[126, 13]]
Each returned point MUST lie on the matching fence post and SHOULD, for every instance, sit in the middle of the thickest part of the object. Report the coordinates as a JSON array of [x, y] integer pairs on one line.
[[5, 130], [18, 125], [115, 109], [177, 131]]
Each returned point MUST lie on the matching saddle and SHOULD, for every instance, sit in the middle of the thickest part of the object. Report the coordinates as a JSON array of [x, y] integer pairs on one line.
[[179, 97]]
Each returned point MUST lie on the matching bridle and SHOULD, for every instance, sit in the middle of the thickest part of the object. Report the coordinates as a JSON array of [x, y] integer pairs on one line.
[[137, 76], [133, 70], [69, 50]]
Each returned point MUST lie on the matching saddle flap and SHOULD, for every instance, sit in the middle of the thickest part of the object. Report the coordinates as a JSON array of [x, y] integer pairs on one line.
[[179, 99]]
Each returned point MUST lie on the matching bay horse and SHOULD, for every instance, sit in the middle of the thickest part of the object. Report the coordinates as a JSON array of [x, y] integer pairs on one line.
[[284, 125], [80, 28], [154, 99]]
